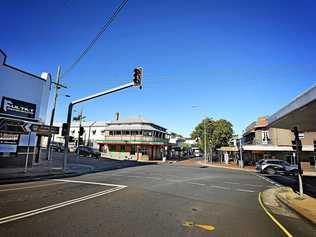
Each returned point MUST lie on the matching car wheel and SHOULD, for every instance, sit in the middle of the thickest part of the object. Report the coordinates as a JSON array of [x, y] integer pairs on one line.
[[270, 170]]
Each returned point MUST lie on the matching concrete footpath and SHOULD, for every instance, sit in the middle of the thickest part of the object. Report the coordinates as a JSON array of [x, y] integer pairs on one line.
[[304, 206], [53, 169]]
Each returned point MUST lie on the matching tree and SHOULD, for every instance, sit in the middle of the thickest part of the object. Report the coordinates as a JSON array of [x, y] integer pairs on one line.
[[218, 133]]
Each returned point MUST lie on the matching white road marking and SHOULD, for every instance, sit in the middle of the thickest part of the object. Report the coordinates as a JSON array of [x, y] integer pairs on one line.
[[28, 187], [268, 180], [55, 206], [196, 183], [231, 183], [63, 204], [254, 185], [85, 182], [220, 187], [245, 190]]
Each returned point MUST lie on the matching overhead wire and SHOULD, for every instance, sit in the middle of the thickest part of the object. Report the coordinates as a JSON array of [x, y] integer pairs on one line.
[[96, 38]]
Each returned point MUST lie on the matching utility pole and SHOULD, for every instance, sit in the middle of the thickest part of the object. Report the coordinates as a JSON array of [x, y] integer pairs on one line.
[[89, 132], [205, 152], [79, 135], [137, 82], [57, 87], [241, 162]]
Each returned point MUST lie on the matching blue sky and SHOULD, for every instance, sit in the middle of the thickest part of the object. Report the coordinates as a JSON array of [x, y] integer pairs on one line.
[[233, 59]]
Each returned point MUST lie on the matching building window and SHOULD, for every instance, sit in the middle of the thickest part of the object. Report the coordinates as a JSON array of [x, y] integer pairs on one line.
[[144, 151], [117, 132], [126, 132], [111, 133], [112, 148], [265, 137]]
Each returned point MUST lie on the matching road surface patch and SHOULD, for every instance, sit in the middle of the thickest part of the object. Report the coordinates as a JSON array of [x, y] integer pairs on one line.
[[30, 213]]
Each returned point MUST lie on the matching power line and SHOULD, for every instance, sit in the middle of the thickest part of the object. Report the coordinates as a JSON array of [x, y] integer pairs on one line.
[[98, 35]]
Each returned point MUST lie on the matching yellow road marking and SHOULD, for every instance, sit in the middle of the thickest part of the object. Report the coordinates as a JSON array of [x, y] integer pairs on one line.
[[285, 231], [206, 227], [202, 226], [28, 187]]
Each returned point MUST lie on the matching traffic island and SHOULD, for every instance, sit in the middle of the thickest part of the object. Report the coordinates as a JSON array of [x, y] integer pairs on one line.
[[304, 206]]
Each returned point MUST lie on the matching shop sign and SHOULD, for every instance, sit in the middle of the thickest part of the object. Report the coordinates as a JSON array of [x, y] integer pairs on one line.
[[17, 107], [9, 138]]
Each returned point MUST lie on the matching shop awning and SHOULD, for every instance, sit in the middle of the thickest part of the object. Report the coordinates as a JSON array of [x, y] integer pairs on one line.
[[274, 148], [301, 112]]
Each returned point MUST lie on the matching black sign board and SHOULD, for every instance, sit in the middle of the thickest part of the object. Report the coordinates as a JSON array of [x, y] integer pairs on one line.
[[44, 129], [9, 138], [17, 107]]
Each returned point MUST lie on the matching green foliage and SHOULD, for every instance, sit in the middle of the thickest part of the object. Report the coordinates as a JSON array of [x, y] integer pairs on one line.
[[218, 133]]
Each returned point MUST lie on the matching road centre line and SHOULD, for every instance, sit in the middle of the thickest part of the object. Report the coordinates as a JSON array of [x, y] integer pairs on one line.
[[63, 204], [29, 187]]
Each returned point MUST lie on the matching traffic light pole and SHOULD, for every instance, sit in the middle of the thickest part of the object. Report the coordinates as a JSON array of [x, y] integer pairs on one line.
[[298, 158], [71, 105]]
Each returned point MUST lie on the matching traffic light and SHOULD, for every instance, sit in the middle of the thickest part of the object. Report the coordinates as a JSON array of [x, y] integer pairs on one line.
[[81, 131], [64, 130], [296, 145], [137, 76]]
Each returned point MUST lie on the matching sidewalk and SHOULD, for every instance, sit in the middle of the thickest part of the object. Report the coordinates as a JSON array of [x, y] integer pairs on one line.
[[53, 169], [305, 206]]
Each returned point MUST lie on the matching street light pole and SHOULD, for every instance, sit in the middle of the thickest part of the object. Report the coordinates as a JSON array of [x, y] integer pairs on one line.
[[71, 104], [53, 112]]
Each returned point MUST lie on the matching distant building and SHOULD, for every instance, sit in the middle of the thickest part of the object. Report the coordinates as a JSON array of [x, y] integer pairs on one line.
[[134, 138]]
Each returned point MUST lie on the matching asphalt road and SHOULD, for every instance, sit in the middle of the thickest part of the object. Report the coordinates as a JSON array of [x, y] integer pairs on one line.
[[152, 200]]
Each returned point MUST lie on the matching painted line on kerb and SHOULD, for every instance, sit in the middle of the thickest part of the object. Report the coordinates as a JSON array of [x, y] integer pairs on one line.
[[28, 187], [63, 204], [285, 231]]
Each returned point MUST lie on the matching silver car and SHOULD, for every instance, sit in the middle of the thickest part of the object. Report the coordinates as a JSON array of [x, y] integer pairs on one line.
[[273, 166]]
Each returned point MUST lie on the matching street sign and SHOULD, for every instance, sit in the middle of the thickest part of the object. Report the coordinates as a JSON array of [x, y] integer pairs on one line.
[[44, 129]]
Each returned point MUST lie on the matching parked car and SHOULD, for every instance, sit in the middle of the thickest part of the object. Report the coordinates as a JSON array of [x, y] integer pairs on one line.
[[270, 166], [88, 151], [57, 146]]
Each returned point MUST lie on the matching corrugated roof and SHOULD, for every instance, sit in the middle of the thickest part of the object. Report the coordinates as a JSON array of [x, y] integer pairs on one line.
[[130, 127]]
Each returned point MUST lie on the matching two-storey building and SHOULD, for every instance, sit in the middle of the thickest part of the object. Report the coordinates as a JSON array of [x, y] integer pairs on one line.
[[134, 138], [262, 142]]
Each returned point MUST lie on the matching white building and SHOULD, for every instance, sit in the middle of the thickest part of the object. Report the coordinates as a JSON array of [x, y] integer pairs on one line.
[[24, 100]]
